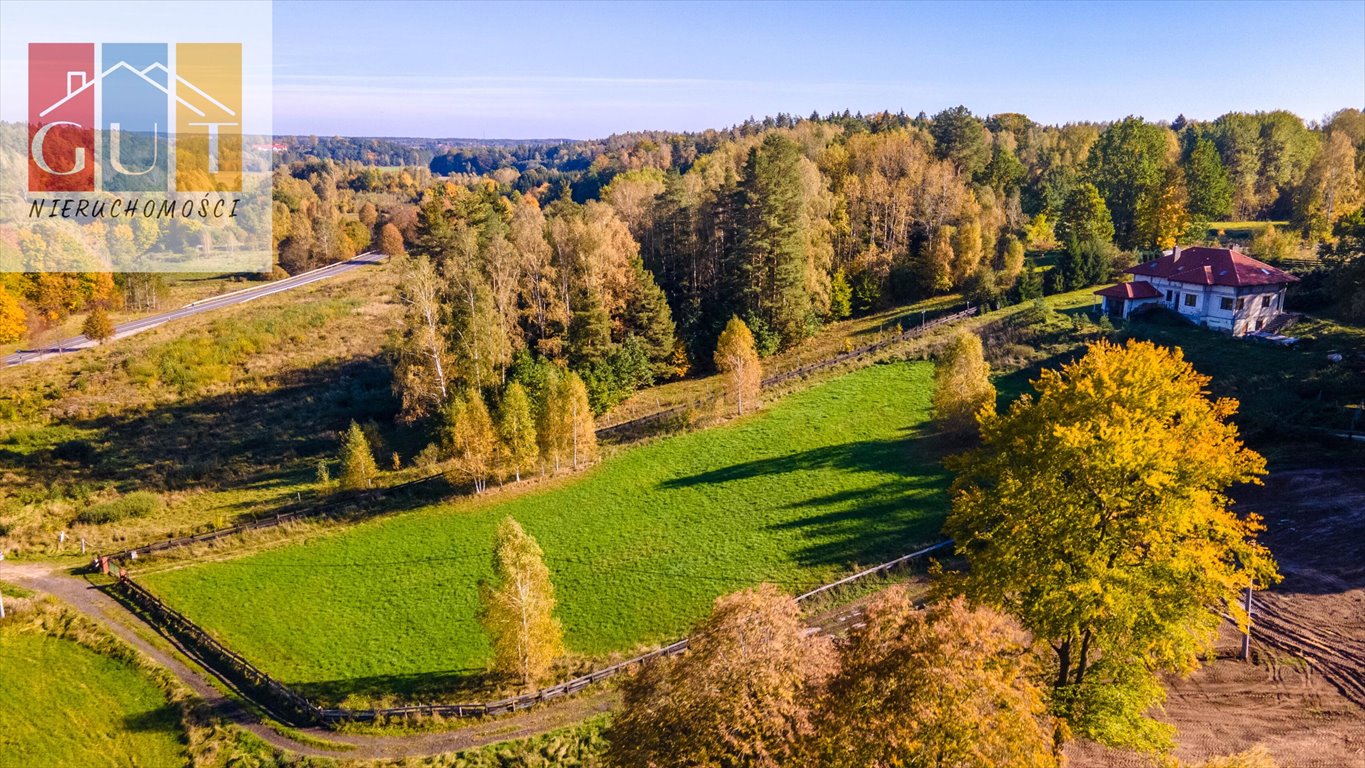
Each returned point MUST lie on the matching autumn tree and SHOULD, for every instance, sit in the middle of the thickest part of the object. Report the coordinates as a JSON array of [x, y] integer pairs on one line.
[[98, 327], [422, 355], [737, 360], [13, 322], [554, 432], [358, 469], [518, 607], [950, 685], [1096, 513], [578, 416], [742, 694], [1084, 217], [391, 240], [517, 431], [470, 438], [1332, 187], [1164, 217], [962, 385]]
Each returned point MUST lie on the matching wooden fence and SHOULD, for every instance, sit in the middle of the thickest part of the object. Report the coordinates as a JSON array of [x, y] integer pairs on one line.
[[303, 510], [679, 411], [294, 707]]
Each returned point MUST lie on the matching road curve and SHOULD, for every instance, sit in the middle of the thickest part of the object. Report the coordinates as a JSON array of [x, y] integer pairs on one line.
[[203, 305]]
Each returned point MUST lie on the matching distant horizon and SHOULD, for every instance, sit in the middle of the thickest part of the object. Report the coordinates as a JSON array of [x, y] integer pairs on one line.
[[489, 72]]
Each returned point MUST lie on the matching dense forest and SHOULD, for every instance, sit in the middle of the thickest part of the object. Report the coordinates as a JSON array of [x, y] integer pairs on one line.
[[623, 258]]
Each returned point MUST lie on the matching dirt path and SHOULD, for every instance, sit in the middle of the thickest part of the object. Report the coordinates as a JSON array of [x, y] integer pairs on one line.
[[92, 602]]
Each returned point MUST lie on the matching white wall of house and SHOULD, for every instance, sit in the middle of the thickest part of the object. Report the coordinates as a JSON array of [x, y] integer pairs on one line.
[[1224, 307]]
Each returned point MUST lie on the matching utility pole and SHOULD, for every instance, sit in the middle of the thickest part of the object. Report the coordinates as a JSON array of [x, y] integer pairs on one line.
[[1246, 636]]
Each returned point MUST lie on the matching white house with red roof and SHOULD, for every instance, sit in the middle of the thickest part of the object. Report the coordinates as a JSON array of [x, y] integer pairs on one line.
[[1220, 288]]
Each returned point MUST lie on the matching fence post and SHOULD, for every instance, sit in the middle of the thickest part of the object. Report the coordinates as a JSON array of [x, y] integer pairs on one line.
[[1246, 636]]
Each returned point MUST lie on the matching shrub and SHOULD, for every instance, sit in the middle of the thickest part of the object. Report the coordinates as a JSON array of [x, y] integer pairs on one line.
[[136, 504]]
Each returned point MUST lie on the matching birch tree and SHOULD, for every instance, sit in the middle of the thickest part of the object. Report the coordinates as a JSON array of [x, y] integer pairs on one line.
[[517, 431], [737, 359], [471, 439], [518, 607], [422, 354]]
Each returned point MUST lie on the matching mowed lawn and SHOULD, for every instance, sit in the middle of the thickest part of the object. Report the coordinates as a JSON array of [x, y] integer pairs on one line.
[[638, 547], [64, 705]]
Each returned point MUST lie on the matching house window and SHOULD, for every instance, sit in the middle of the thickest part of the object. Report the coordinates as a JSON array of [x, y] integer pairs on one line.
[[1191, 299], [1265, 300], [1170, 296], [1241, 303], [1225, 303]]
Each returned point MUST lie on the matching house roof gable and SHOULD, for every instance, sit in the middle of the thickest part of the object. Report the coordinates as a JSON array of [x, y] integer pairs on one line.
[[1212, 266]]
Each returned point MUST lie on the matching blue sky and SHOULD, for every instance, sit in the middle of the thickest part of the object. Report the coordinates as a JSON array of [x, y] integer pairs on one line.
[[581, 70], [527, 70]]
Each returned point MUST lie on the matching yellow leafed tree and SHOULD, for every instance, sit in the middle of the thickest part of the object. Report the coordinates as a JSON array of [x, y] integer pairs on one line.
[[737, 359], [962, 384], [950, 685], [1097, 514], [13, 323], [518, 608]]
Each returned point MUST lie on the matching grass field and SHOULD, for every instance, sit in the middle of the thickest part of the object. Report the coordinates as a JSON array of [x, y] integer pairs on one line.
[[638, 547], [65, 705]]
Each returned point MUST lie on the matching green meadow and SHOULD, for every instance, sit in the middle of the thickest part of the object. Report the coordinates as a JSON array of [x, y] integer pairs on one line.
[[65, 705], [836, 476]]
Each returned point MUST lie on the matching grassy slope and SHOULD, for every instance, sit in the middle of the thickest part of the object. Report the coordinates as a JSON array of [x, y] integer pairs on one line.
[[65, 705], [226, 412], [638, 547]]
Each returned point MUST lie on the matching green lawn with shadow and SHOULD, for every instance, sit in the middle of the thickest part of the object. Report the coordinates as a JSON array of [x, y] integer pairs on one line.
[[834, 477]]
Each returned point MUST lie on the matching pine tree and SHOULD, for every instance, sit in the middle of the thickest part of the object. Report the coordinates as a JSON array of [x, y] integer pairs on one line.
[[98, 327], [840, 295], [962, 384], [517, 430], [518, 608], [358, 470], [775, 242], [737, 359]]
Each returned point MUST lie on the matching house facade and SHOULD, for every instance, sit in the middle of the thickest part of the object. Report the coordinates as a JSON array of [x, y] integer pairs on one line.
[[1220, 288]]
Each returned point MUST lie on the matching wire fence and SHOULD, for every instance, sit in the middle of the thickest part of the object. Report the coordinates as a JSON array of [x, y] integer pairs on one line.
[[346, 501], [293, 707]]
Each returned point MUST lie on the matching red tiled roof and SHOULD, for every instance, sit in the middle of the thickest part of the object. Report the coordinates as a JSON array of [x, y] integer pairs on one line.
[[1137, 289], [1212, 266]]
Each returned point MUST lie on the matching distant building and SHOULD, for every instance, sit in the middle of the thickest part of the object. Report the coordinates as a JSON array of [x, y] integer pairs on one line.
[[1220, 288]]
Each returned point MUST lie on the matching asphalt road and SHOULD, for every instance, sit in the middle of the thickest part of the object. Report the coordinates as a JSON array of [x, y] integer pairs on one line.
[[204, 305]]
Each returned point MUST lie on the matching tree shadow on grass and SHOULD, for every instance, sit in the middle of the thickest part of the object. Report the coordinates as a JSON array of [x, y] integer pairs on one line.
[[452, 686], [164, 718], [862, 525], [269, 439]]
